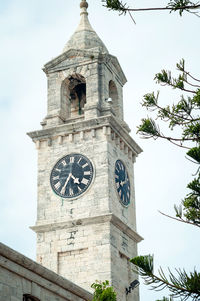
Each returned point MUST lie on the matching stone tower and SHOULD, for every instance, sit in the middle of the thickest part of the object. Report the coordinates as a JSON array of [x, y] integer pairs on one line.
[[86, 220]]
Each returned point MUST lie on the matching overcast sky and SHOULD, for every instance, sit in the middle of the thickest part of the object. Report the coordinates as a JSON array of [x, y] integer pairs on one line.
[[32, 33]]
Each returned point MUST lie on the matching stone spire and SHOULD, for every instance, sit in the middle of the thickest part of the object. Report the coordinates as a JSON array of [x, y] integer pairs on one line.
[[85, 37]]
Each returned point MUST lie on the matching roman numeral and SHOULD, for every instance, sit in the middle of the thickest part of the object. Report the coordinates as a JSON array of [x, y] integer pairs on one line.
[[64, 163], [62, 191], [59, 170], [86, 164], [56, 178], [121, 166], [84, 181], [71, 160], [57, 185], [86, 173], [79, 160], [71, 192], [79, 189]]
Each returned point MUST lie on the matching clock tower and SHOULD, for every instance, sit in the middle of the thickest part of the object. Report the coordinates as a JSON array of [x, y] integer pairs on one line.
[[86, 219]]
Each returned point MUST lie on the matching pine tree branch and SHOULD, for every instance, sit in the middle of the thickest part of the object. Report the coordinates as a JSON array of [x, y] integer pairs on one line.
[[123, 9], [179, 145], [131, 17], [192, 85], [189, 120], [184, 285], [179, 219], [197, 80], [188, 7], [180, 88], [172, 140]]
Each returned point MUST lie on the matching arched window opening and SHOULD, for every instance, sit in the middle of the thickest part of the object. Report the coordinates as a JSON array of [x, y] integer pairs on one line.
[[73, 96], [113, 92], [77, 89], [28, 297]]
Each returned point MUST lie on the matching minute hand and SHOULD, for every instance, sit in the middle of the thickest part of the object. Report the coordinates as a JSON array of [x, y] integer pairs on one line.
[[66, 182]]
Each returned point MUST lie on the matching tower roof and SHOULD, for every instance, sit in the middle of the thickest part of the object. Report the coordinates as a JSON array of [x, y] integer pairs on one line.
[[85, 37]]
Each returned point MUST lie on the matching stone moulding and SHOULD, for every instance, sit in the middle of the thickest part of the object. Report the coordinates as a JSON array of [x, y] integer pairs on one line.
[[88, 221], [29, 269], [93, 57], [86, 125]]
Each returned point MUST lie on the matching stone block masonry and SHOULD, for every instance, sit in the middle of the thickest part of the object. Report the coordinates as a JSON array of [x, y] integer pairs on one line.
[[89, 235], [20, 276]]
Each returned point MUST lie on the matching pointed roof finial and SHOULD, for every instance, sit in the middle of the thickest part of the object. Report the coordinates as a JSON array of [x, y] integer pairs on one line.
[[85, 37], [84, 6]]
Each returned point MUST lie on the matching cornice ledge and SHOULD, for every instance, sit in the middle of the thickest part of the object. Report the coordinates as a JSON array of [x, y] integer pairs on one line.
[[76, 222], [88, 221], [126, 229], [122, 132], [85, 125]]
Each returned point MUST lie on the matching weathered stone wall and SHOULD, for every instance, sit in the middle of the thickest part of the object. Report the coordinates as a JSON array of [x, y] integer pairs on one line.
[[123, 248], [75, 236], [80, 253], [98, 70], [19, 276]]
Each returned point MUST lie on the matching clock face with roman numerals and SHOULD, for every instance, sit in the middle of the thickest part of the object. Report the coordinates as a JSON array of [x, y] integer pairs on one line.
[[71, 176], [122, 182]]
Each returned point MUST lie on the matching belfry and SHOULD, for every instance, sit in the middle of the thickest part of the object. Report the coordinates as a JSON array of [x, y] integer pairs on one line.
[[86, 218]]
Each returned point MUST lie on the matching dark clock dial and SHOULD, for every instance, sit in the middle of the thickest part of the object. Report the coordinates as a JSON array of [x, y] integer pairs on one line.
[[71, 175], [122, 182]]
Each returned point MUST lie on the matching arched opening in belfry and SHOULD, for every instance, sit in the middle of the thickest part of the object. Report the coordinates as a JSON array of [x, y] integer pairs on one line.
[[113, 94], [113, 91], [74, 94]]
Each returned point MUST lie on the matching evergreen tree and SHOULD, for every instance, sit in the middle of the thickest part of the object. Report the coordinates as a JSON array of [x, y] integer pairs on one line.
[[184, 115]]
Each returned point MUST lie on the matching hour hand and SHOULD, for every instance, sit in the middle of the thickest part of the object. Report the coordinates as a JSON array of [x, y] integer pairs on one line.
[[76, 180]]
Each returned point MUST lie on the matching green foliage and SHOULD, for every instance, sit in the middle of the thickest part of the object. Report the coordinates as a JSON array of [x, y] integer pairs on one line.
[[145, 263], [180, 5], [191, 203], [103, 292], [182, 285], [149, 128], [185, 116], [116, 5], [173, 6]]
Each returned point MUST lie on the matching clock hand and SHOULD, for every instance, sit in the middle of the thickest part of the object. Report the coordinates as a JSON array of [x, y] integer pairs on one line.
[[125, 180], [76, 180], [66, 182]]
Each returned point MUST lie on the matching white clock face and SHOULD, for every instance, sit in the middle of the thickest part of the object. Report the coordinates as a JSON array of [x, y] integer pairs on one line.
[[71, 175]]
